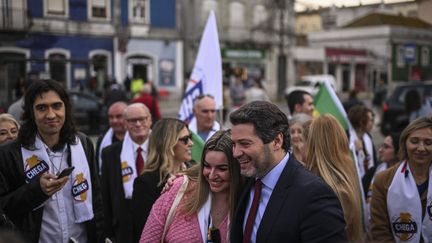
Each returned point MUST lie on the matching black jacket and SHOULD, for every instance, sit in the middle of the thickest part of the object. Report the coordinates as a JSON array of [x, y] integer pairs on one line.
[[18, 198], [118, 224], [146, 191], [301, 208]]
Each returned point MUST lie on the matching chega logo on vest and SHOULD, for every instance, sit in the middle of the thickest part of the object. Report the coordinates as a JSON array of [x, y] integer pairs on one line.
[[80, 187], [126, 171], [404, 227], [34, 167]]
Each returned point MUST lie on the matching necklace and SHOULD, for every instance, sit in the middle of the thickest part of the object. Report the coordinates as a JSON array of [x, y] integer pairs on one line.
[[218, 215], [52, 155]]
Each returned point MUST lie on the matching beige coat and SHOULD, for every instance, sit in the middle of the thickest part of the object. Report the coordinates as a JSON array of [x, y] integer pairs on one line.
[[380, 225]]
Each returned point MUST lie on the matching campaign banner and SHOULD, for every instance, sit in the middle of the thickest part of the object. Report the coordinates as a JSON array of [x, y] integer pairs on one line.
[[206, 76]]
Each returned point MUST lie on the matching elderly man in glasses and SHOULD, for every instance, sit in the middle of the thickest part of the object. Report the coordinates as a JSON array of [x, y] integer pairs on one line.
[[122, 162], [204, 124]]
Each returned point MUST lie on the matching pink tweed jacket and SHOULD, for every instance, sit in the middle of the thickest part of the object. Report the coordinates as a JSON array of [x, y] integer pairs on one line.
[[184, 228]]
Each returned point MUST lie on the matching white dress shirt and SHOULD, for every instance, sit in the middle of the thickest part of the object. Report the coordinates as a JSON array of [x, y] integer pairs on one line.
[[144, 150], [58, 220]]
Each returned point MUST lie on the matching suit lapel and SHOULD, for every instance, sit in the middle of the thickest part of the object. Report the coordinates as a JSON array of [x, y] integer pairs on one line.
[[277, 199], [237, 224]]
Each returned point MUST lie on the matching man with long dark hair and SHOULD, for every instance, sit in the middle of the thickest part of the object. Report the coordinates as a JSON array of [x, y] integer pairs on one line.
[[44, 205]]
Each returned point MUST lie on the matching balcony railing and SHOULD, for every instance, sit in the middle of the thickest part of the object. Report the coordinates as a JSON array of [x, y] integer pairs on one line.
[[13, 19]]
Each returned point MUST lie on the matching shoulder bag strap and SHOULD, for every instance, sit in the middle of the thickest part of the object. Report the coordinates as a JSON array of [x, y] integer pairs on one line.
[[174, 206]]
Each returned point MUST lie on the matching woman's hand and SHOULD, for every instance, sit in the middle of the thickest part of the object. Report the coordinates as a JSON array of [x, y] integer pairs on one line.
[[169, 183]]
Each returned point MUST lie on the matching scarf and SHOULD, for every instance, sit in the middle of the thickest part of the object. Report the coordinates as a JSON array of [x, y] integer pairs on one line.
[[405, 208], [36, 163], [203, 214], [128, 167], [106, 141], [367, 140]]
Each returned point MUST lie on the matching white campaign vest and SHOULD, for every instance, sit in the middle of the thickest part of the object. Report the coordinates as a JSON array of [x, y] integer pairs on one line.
[[405, 208]]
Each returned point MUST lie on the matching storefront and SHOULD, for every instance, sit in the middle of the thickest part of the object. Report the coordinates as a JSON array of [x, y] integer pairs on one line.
[[249, 62], [159, 61]]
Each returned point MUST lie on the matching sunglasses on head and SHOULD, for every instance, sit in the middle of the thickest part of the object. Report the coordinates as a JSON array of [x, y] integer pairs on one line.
[[202, 96], [186, 139]]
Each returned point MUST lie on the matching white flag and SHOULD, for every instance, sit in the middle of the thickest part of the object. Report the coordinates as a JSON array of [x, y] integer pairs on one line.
[[206, 77]]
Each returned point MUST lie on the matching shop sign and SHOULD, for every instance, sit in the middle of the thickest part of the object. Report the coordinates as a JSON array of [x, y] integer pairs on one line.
[[410, 53], [166, 72], [243, 53]]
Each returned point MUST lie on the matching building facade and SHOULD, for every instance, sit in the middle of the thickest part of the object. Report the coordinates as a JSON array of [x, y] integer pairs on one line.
[[88, 43], [392, 48], [253, 35]]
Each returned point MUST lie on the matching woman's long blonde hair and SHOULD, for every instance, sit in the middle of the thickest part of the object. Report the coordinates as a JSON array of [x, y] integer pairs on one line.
[[328, 156], [163, 138]]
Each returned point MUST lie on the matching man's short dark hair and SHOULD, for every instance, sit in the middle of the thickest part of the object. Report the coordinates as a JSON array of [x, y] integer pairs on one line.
[[268, 121], [296, 97], [29, 129]]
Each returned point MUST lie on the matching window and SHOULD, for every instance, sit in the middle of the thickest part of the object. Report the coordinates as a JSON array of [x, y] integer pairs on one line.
[[13, 67], [259, 15], [236, 14], [56, 7], [99, 9], [139, 11], [58, 65], [416, 56], [13, 14], [100, 62], [208, 6], [425, 56], [400, 56]]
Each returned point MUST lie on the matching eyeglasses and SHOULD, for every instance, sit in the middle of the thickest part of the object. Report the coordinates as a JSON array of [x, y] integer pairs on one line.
[[208, 110], [141, 120], [186, 139], [386, 146]]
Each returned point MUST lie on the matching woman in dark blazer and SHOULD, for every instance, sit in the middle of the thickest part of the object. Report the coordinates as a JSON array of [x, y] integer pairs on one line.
[[169, 148]]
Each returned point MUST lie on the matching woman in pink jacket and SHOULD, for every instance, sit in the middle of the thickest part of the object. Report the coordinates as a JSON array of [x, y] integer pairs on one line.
[[204, 211]]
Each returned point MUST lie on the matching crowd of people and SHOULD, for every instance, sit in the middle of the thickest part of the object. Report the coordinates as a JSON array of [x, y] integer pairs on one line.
[[269, 177]]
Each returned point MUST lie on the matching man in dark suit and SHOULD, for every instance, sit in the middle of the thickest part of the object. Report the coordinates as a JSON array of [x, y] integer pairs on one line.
[[287, 203], [115, 133], [121, 164]]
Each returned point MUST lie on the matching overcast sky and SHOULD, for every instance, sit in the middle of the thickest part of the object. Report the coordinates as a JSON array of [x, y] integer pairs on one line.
[[301, 5]]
